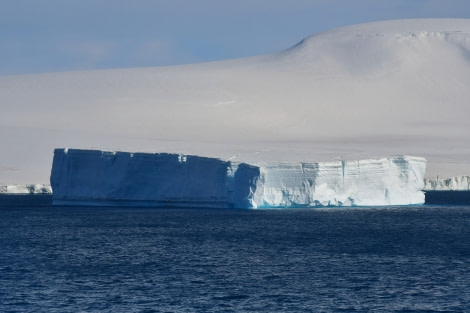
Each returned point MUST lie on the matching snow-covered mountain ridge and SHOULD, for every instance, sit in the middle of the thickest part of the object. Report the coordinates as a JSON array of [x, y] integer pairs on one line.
[[363, 91]]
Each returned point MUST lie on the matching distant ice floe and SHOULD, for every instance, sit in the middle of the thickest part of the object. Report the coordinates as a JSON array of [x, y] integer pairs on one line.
[[26, 189], [458, 183]]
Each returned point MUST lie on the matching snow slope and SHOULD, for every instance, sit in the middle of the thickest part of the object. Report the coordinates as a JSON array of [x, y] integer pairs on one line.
[[385, 88], [93, 177]]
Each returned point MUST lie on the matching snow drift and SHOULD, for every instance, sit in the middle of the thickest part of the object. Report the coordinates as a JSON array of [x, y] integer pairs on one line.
[[93, 177]]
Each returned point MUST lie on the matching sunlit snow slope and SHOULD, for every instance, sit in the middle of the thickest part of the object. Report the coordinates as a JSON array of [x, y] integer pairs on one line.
[[364, 91]]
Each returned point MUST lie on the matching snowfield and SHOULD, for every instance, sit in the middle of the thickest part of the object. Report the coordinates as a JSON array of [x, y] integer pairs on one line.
[[358, 92]]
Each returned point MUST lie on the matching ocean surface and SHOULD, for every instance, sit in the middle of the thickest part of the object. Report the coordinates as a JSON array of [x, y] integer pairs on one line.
[[82, 259]]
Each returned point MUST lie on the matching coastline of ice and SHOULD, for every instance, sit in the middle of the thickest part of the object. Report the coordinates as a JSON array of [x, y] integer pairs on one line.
[[94, 177]]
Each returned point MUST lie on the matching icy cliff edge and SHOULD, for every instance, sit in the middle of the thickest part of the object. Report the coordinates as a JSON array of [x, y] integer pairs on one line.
[[93, 177]]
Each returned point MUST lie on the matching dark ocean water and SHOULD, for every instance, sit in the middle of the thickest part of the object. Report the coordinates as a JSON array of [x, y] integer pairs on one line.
[[77, 259]]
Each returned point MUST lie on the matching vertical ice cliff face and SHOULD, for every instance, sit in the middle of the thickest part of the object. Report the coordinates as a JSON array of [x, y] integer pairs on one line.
[[458, 183], [387, 181], [120, 178], [92, 177], [244, 185]]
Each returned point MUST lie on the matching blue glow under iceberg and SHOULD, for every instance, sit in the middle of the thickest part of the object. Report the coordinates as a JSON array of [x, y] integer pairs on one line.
[[93, 177]]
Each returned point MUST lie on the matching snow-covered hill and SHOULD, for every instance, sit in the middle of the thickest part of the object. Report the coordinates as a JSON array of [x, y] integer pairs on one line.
[[370, 90]]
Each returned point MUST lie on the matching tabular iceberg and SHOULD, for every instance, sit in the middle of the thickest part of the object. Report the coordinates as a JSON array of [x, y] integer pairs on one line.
[[26, 189], [387, 181], [447, 191], [458, 183], [93, 177], [157, 179]]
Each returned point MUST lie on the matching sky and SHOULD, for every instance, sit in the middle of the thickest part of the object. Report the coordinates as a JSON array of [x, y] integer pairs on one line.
[[38, 36]]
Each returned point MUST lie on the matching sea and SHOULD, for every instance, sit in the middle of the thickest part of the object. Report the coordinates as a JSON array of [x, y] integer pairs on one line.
[[111, 259]]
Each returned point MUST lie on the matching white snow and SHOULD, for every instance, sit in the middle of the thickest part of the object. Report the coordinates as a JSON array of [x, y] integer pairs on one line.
[[458, 183], [94, 177], [358, 92]]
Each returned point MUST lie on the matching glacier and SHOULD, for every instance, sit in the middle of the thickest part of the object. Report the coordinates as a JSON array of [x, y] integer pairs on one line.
[[95, 177], [358, 92]]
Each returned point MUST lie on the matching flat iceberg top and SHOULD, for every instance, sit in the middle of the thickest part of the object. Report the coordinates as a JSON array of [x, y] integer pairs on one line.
[[93, 177], [356, 92]]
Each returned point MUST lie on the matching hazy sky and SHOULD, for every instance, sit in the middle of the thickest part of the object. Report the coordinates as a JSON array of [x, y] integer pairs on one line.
[[62, 35]]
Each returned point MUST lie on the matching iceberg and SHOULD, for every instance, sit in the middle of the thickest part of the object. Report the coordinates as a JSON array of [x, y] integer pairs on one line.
[[394, 180], [121, 178], [458, 183], [447, 191], [95, 177], [26, 189]]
